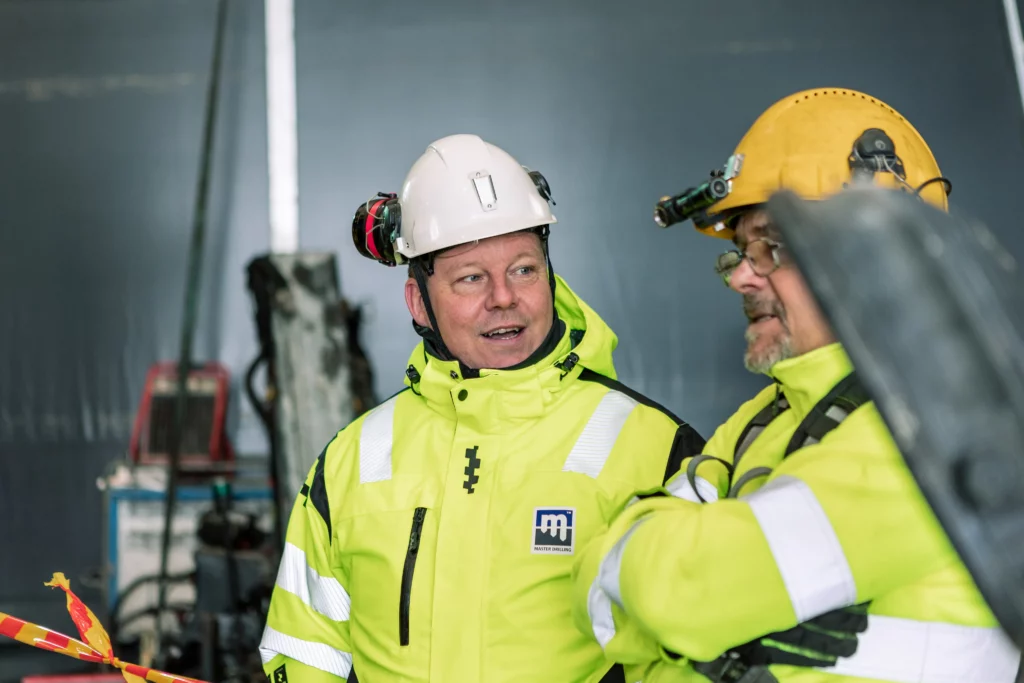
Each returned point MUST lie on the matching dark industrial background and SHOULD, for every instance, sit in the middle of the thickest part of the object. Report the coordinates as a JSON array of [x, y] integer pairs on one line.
[[101, 108]]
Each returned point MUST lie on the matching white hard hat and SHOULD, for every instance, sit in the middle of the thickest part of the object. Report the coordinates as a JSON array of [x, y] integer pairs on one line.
[[460, 190]]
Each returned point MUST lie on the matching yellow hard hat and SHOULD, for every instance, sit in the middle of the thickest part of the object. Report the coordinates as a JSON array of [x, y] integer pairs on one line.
[[815, 143]]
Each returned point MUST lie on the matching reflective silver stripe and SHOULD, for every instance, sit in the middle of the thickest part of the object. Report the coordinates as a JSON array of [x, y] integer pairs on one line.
[[599, 607], [323, 594], [606, 590], [805, 547], [316, 655], [680, 488], [743, 446], [908, 651], [837, 413], [375, 443], [595, 443]]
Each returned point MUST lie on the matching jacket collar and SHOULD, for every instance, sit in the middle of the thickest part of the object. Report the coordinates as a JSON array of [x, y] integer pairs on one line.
[[497, 396], [807, 378]]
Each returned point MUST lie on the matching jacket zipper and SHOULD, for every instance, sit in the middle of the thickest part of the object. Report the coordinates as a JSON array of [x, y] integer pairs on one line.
[[407, 570]]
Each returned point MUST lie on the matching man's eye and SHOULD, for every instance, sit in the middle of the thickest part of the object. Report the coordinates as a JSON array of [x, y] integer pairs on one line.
[[471, 278], [526, 270]]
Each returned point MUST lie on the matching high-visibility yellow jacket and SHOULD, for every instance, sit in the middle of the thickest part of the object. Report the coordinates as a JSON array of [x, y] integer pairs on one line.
[[434, 538], [836, 523]]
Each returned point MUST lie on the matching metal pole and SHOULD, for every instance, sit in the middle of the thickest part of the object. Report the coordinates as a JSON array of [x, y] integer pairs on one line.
[[1016, 42], [282, 135], [192, 288]]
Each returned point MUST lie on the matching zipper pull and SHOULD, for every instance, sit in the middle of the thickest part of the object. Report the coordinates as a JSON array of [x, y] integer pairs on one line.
[[414, 537], [777, 401], [568, 364], [414, 378], [413, 374]]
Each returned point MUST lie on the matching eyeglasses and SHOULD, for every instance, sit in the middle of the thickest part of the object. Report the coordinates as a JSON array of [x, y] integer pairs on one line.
[[761, 253]]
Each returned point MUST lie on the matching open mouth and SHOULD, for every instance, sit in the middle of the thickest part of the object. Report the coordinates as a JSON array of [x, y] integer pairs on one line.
[[762, 318], [504, 333]]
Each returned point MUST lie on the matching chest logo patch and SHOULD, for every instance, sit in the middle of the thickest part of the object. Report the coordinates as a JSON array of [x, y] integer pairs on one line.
[[554, 531]]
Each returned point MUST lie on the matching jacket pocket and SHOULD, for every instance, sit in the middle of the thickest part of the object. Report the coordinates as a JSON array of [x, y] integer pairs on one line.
[[410, 566]]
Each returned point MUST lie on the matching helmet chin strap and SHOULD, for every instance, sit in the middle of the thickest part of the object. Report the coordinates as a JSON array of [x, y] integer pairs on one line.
[[432, 335]]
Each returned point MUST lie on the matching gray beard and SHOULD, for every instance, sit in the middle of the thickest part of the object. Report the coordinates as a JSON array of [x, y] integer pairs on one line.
[[765, 359]]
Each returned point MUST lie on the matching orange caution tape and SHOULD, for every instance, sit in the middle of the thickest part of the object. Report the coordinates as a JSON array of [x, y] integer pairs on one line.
[[96, 648]]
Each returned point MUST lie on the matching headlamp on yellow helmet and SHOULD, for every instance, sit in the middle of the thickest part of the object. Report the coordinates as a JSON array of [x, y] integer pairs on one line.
[[814, 143], [694, 202]]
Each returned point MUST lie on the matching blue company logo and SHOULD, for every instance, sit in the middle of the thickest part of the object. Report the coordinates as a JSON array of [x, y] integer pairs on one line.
[[553, 530]]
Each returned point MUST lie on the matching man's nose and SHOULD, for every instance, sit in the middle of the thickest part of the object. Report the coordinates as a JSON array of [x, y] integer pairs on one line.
[[502, 295], [744, 280]]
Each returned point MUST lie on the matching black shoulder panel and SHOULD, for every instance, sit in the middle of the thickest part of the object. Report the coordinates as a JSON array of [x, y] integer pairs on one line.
[[590, 376], [318, 490], [688, 443]]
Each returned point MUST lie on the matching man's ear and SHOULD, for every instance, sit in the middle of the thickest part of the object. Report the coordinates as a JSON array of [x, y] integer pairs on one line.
[[414, 302]]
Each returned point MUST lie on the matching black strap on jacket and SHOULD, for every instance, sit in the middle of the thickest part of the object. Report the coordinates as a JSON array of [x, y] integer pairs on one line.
[[730, 669], [827, 414], [846, 396], [758, 423], [842, 399]]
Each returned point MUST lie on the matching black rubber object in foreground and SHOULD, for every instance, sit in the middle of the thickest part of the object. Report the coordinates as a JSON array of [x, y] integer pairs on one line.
[[930, 309]]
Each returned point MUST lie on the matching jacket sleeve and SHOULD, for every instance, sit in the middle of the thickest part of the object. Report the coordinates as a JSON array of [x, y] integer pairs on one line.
[[648, 435], [307, 630], [838, 523], [622, 639]]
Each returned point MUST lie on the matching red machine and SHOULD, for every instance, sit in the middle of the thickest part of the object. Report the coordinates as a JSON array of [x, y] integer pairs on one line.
[[204, 440]]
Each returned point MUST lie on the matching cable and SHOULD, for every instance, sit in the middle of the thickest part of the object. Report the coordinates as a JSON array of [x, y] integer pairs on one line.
[[116, 622], [264, 282], [222, 505], [179, 607], [946, 184], [195, 259]]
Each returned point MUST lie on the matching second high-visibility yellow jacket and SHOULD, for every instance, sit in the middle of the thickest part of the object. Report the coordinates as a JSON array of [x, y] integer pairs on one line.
[[836, 523], [435, 536]]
